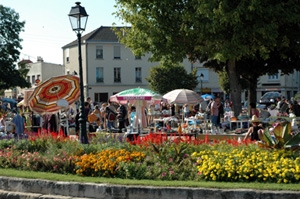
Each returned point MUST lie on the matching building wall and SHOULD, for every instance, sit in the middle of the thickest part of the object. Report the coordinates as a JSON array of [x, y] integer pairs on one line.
[[288, 85], [43, 71]]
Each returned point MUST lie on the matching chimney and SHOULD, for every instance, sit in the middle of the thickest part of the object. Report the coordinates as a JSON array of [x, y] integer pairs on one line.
[[40, 59]]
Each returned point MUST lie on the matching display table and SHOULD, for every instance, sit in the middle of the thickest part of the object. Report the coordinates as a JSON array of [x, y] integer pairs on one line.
[[238, 123], [195, 121]]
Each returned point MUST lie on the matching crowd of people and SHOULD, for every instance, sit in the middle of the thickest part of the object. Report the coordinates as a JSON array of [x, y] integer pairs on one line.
[[112, 116]]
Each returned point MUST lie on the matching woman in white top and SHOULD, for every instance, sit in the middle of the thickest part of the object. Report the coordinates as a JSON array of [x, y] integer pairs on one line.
[[186, 110], [151, 112]]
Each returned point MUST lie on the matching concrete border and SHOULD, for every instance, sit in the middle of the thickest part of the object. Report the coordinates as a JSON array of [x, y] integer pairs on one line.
[[18, 188]]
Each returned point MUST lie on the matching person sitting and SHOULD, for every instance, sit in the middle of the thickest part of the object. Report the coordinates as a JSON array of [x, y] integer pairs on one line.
[[255, 131]]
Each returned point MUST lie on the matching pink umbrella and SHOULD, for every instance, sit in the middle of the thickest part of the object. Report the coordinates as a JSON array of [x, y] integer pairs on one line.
[[139, 98]]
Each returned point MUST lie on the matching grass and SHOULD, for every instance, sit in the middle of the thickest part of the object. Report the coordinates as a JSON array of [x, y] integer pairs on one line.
[[191, 184]]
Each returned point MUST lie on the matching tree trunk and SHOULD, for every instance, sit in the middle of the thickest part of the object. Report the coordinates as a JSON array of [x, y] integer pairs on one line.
[[235, 88], [252, 95]]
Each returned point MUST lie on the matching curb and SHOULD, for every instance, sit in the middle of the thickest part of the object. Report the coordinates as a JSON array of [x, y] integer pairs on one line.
[[19, 188]]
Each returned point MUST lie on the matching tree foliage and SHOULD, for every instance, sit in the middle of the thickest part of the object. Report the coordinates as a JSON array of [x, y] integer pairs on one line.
[[10, 28], [229, 33], [165, 78]]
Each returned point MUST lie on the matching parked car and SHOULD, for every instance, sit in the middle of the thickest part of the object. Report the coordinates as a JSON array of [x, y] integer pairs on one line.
[[269, 98]]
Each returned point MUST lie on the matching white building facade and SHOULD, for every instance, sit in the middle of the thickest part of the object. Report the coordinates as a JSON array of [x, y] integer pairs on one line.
[[38, 72], [109, 67]]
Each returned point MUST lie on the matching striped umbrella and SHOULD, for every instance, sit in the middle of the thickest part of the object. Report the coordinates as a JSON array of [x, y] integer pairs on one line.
[[138, 94], [47, 95], [139, 98]]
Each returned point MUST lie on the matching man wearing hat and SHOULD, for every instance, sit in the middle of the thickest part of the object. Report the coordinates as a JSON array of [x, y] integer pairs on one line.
[[255, 131]]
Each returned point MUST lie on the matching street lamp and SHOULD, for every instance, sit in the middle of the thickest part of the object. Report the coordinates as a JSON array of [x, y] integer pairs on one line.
[[78, 18], [201, 81]]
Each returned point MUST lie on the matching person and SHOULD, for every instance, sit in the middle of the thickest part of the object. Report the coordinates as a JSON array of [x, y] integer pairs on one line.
[[296, 108], [214, 112], [131, 137], [132, 114], [91, 104], [278, 102], [202, 106], [196, 108], [254, 110], [121, 114], [50, 124], [164, 106], [110, 118], [186, 110], [103, 115], [151, 113], [227, 105], [77, 124], [285, 106], [87, 110], [255, 131], [2, 123], [19, 124], [172, 107], [97, 112], [208, 108], [221, 113]]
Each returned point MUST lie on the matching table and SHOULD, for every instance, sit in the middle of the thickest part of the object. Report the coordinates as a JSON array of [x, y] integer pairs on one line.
[[197, 121], [239, 123]]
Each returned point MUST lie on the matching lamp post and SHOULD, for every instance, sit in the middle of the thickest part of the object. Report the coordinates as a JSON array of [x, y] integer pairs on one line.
[[78, 18], [201, 81]]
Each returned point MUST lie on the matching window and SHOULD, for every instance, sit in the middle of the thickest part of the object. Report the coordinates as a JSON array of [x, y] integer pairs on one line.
[[67, 54], [33, 79], [101, 97], [99, 52], [138, 57], [117, 74], [273, 76], [117, 52], [138, 74], [38, 77], [99, 74], [28, 79]]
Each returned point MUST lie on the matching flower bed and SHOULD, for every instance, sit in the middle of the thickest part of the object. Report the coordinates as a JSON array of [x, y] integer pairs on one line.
[[154, 157]]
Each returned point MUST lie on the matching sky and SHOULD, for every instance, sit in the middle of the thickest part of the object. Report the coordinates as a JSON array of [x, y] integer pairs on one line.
[[47, 26]]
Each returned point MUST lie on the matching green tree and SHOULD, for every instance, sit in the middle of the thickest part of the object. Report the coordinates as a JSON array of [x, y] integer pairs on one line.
[[10, 28], [165, 78], [228, 32]]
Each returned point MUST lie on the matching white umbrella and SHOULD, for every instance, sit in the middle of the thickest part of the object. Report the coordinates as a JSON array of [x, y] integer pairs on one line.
[[182, 96]]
